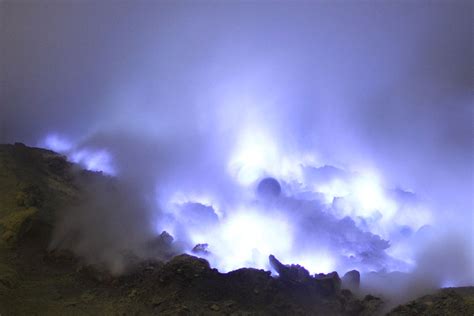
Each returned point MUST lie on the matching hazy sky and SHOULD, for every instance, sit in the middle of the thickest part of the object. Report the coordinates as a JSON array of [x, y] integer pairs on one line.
[[175, 90], [387, 83]]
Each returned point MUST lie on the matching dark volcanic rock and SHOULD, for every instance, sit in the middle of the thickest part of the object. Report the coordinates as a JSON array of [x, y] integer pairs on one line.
[[450, 301], [351, 280], [161, 246], [328, 284], [201, 249], [322, 284], [290, 273], [185, 267], [36, 185], [251, 291]]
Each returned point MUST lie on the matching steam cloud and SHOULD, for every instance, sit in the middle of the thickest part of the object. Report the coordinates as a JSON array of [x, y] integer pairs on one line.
[[190, 105]]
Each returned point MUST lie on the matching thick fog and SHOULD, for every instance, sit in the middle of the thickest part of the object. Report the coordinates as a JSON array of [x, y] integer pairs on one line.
[[191, 104]]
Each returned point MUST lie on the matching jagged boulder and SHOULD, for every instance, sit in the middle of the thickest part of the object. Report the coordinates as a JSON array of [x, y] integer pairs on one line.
[[201, 249], [323, 284], [291, 273]]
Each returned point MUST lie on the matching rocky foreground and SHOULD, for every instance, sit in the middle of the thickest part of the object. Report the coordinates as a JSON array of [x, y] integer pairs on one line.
[[34, 280]]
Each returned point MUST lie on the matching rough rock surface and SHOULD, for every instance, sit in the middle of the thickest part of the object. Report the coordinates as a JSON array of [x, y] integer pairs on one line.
[[449, 301]]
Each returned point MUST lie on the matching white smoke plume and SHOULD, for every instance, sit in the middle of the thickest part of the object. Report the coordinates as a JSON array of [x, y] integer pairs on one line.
[[361, 111]]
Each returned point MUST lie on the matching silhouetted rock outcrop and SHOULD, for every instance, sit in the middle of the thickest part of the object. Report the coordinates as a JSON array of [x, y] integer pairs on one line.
[[290, 273], [351, 280], [321, 284]]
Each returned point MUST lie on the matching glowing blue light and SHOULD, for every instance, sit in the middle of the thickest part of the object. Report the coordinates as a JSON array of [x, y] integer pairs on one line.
[[56, 143], [247, 237], [94, 160]]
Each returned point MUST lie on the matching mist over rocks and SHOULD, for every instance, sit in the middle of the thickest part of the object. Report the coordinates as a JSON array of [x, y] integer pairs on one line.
[[255, 290], [255, 128], [108, 229], [137, 266], [107, 226]]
